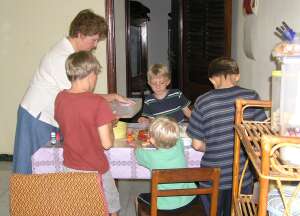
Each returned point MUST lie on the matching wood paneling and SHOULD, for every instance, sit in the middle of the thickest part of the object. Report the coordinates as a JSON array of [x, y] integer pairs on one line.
[[204, 33], [111, 47]]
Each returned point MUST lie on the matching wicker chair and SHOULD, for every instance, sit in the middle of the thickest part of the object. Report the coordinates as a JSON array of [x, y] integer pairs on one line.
[[56, 194], [182, 175]]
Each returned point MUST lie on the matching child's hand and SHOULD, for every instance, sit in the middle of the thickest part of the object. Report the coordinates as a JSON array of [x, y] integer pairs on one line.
[[143, 120], [198, 145], [115, 122]]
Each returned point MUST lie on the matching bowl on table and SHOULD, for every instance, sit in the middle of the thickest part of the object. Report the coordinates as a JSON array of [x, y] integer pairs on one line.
[[127, 110]]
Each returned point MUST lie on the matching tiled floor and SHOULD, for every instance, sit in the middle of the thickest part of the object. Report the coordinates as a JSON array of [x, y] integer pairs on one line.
[[4, 175], [128, 191]]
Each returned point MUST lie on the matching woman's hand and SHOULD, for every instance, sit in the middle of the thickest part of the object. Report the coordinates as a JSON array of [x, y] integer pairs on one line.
[[122, 99], [117, 97]]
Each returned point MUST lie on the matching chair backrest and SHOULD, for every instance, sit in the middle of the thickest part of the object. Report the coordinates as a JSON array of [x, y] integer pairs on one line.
[[56, 194], [160, 176]]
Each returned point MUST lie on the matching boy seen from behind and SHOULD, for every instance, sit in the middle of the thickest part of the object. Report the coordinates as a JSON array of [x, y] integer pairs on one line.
[[163, 101], [168, 154], [85, 120], [211, 127]]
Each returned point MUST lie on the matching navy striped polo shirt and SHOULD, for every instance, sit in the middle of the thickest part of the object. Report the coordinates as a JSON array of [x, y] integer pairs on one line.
[[212, 122], [171, 105]]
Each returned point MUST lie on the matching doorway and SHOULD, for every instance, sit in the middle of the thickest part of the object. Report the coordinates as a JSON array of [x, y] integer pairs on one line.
[[137, 19], [198, 31], [201, 32]]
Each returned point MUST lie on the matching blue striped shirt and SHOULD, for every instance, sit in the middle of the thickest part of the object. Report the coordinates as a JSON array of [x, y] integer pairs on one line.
[[212, 122], [171, 105]]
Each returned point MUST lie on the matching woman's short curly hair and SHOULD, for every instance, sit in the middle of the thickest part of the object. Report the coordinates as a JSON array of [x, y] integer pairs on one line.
[[88, 23]]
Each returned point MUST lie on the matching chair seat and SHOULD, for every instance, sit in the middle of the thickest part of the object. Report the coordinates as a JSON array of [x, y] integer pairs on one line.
[[196, 210], [67, 194]]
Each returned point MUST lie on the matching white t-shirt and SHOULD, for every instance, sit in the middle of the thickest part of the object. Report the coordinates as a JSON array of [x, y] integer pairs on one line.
[[49, 79]]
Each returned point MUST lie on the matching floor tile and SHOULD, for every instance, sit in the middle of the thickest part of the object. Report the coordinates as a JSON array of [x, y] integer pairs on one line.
[[4, 177]]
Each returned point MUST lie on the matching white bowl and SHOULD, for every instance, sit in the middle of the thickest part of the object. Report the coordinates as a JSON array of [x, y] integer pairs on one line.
[[124, 110]]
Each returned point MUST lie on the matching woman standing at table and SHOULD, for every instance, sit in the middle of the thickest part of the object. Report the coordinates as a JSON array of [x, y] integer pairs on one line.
[[35, 119]]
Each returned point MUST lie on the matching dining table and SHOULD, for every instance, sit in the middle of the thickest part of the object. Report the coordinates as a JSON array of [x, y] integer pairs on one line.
[[121, 157]]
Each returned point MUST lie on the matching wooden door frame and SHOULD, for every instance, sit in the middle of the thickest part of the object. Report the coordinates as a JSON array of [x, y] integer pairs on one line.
[[111, 47], [181, 46], [128, 55]]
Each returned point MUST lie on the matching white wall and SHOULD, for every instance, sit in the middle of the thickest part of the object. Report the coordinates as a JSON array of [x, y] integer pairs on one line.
[[28, 29], [158, 30], [256, 73]]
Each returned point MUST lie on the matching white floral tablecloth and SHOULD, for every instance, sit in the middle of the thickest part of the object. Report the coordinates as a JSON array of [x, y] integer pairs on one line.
[[49, 159]]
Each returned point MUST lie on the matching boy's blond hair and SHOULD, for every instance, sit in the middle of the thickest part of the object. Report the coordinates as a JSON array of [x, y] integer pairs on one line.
[[80, 64], [164, 131], [158, 70]]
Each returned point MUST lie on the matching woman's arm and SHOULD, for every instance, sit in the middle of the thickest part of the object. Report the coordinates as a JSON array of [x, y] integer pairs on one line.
[[117, 97], [106, 135]]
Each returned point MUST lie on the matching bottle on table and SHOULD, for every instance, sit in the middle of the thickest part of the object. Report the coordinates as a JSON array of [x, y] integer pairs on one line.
[[53, 138]]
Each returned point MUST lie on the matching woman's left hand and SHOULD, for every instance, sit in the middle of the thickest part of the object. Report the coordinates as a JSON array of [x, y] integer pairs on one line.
[[122, 99], [117, 97]]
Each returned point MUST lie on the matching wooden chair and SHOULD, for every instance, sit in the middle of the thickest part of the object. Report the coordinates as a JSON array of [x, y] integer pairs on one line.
[[56, 194], [177, 176]]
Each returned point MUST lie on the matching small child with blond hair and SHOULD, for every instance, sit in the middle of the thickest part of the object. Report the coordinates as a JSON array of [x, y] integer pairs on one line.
[[168, 154], [163, 101]]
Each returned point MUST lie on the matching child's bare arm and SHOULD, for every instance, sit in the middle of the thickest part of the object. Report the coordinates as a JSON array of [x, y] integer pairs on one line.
[[106, 135], [198, 145], [187, 112]]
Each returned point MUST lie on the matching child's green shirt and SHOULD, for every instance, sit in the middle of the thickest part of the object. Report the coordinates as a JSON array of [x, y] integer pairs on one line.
[[166, 159]]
